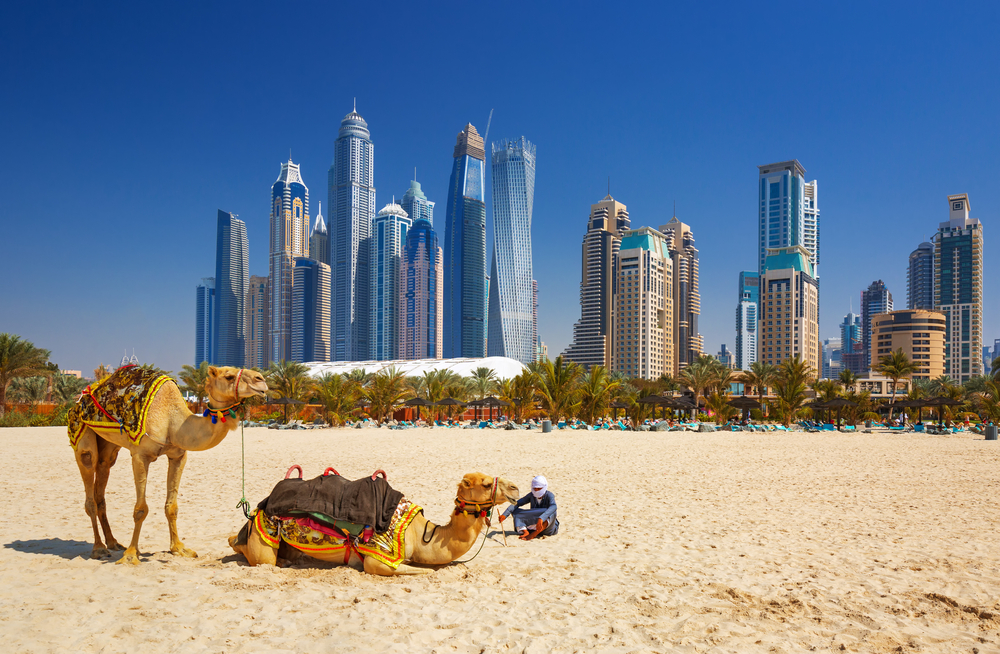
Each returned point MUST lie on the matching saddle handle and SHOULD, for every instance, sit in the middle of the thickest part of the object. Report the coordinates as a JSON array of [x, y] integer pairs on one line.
[[379, 472], [329, 470], [295, 467]]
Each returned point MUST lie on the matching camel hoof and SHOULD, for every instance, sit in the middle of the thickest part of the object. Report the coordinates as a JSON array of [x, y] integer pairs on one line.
[[100, 553], [181, 550], [116, 546], [130, 557]]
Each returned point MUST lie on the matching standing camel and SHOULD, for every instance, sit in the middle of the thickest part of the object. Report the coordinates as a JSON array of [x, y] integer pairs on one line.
[[423, 542], [152, 420]]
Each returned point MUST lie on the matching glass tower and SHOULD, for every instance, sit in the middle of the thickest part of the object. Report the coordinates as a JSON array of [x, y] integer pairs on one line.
[[351, 185], [920, 278], [958, 289], [465, 250], [256, 322], [232, 280], [310, 311], [876, 299], [319, 239], [289, 239], [688, 341], [510, 331], [421, 292], [388, 237], [788, 211], [416, 205], [204, 321], [746, 320]]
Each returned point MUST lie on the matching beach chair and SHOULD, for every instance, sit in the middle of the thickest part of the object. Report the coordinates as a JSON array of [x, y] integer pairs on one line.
[[561, 425]]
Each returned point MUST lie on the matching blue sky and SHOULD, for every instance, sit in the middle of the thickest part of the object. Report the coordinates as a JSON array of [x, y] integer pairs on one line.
[[126, 127]]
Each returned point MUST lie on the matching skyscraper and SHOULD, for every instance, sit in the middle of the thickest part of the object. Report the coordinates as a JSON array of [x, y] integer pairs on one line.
[[421, 292], [852, 354], [831, 358], [351, 205], [643, 309], [511, 311], [256, 323], [319, 239], [310, 311], [416, 205], [204, 325], [388, 237], [788, 211], [876, 299], [746, 320], [918, 333], [789, 308], [232, 279], [726, 357], [289, 239], [534, 318], [592, 334], [920, 278], [958, 288], [688, 342], [465, 250]]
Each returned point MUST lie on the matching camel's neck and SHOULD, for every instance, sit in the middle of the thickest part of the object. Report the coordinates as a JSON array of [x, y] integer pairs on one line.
[[447, 542], [197, 433]]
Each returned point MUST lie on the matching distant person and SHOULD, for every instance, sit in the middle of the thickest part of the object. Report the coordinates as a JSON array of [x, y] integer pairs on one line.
[[538, 520]]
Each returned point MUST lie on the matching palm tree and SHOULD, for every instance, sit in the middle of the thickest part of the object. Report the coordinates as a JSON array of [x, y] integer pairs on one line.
[[995, 368], [66, 388], [941, 384], [896, 366], [665, 385], [558, 382], [794, 376], [484, 381], [289, 379], [596, 388], [760, 376], [19, 358], [338, 395], [193, 380], [988, 400], [848, 378], [826, 389], [699, 375], [384, 392], [101, 371], [29, 390]]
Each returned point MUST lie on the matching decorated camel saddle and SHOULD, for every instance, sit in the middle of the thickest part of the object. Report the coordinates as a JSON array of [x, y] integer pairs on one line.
[[119, 401], [333, 517]]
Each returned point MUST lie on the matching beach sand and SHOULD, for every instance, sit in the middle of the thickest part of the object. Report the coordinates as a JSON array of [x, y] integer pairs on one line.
[[681, 542]]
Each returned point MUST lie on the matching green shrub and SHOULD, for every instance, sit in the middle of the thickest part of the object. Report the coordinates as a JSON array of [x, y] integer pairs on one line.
[[15, 419], [755, 414]]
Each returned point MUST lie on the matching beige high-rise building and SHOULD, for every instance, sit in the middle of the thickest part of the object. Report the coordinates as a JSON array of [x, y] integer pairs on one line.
[[789, 308], [592, 333], [918, 333], [643, 316], [958, 289], [256, 322], [688, 343]]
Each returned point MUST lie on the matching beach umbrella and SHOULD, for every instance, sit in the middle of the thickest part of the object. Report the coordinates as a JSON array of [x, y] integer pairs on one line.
[[744, 404], [839, 403], [941, 402], [491, 402], [654, 400], [418, 402], [910, 404], [818, 405], [682, 404], [617, 405], [285, 401], [449, 402]]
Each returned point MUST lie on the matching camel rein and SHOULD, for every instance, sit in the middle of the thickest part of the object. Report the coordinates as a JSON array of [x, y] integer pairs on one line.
[[461, 506]]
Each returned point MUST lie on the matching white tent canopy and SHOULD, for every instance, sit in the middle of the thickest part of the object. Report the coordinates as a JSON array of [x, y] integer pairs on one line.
[[504, 367]]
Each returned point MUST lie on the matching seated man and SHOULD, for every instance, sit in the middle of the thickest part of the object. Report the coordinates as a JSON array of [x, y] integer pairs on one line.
[[540, 519]]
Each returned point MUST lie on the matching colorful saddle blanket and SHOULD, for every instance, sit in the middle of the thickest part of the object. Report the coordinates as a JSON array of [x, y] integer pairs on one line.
[[311, 537], [120, 401]]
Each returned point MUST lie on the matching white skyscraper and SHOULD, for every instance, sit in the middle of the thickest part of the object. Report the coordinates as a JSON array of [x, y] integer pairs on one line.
[[788, 211], [388, 236], [510, 328]]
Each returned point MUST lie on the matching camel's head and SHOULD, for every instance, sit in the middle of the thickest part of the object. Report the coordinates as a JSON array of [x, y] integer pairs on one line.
[[476, 487], [229, 385]]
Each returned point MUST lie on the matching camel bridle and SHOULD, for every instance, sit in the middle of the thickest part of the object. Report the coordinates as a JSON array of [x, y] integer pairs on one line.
[[478, 509], [221, 413]]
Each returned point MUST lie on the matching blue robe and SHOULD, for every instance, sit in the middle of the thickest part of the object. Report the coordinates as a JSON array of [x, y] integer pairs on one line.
[[544, 509]]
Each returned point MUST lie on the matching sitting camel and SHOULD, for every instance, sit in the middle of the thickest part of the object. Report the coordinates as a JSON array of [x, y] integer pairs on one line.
[[418, 540], [143, 411]]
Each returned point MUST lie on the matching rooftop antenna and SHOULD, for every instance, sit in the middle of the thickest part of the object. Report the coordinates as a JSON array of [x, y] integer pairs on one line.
[[609, 186], [490, 120], [675, 208], [414, 173], [355, 110]]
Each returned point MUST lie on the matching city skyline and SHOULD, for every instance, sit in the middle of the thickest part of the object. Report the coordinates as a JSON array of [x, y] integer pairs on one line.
[[886, 150]]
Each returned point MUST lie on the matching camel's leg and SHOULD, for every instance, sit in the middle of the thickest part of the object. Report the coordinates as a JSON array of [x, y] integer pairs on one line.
[[107, 456], [256, 551], [175, 467], [375, 567], [140, 469], [87, 460]]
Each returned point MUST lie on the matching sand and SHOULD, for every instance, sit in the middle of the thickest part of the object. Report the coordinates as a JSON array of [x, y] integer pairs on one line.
[[679, 542]]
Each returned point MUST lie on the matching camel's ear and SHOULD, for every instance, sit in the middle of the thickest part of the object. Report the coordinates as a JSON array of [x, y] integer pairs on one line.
[[213, 371], [466, 483]]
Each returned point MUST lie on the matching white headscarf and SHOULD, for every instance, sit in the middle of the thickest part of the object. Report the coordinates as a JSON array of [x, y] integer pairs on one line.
[[539, 483]]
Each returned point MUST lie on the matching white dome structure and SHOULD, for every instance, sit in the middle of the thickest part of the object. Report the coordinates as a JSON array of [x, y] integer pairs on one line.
[[504, 367]]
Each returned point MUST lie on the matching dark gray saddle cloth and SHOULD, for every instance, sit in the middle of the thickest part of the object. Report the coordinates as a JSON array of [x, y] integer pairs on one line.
[[364, 501]]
